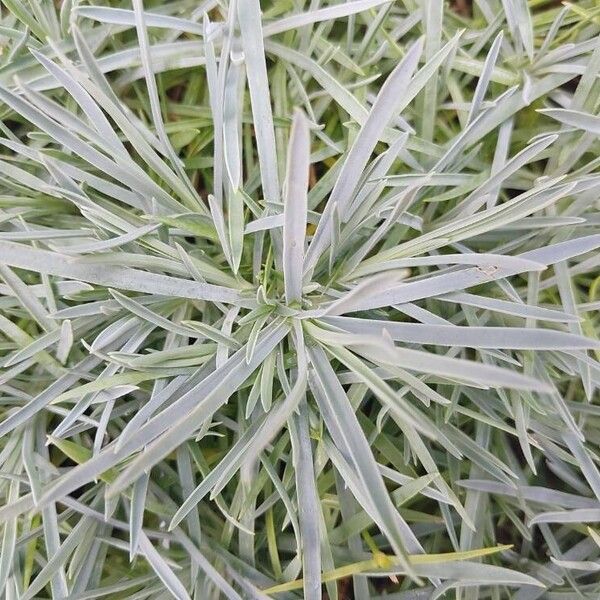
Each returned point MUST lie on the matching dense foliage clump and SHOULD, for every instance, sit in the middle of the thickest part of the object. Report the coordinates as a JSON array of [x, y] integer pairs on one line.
[[299, 299]]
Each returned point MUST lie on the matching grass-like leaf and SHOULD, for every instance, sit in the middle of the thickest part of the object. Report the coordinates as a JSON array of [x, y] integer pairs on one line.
[[299, 299]]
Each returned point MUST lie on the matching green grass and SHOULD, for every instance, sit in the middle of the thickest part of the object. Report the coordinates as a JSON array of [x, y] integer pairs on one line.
[[299, 300]]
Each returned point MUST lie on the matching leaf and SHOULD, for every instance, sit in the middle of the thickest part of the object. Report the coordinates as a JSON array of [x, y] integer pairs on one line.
[[93, 113], [136, 517], [323, 14], [519, 21], [580, 515], [484, 80], [533, 493], [53, 263], [419, 559], [308, 501], [350, 439], [378, 350], [474, 337], [187, 413], [232, 123], [120, 16], [9, 538], [105, 244], [370, 133], [295, 207], [249, 14], [248, 447], [574, 118], [235, 227], [162, 569], [146, 60]]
